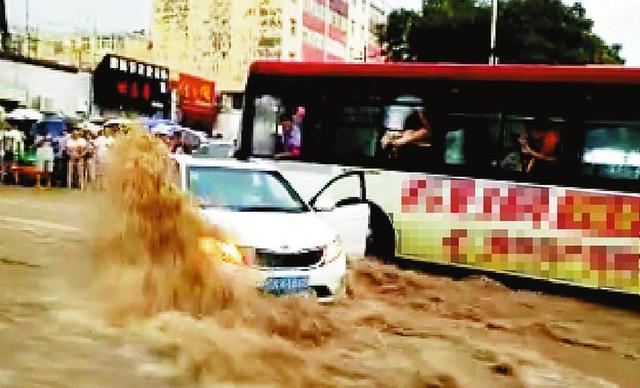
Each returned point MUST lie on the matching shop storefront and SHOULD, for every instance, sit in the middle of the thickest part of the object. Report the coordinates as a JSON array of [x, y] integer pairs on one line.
[[126, 85]]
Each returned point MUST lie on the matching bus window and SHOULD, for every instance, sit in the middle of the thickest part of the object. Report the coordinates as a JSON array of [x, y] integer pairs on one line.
[[357, 131], [454, 147], [265, 125], [612, 150], [281, 125], [532, 145], [289, 139], [472, 140], [352, 130], [408, 138]]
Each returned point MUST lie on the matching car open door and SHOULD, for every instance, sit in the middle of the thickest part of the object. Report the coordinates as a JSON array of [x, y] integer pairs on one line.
[[342, 204]]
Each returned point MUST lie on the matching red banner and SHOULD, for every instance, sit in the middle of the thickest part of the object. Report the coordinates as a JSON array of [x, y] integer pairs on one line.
[[197, 101]]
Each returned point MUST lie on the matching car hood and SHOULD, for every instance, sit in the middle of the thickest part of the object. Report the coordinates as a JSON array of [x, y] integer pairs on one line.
[[272, 230]]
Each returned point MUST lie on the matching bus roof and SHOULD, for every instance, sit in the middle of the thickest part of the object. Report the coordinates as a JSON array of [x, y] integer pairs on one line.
[[536, 73]]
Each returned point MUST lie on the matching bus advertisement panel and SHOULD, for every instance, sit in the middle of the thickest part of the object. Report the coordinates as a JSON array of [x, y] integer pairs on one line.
[[532, 170]]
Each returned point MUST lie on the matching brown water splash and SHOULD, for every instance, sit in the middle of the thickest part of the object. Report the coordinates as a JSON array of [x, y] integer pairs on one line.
[[398, 329], [149, 236]]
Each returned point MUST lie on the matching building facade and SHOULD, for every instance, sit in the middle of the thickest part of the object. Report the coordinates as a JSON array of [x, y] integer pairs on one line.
[[83, 50], [46, 89], [218, 39]]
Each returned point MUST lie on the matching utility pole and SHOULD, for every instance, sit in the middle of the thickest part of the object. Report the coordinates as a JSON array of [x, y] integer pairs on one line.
[[4, 28], [494, 22], [26, 18]]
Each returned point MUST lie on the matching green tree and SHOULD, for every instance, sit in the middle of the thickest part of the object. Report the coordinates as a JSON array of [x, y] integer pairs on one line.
[[451, 31], [547, 31], [394, 36], [529, 31]]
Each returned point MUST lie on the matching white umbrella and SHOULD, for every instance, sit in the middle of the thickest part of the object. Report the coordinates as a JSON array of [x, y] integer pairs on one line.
[[119, 122], [163, 129], [24, 114]]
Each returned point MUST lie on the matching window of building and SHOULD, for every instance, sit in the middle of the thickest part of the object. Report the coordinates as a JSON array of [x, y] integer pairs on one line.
[[294, 26], [86, 43], [58, 48]]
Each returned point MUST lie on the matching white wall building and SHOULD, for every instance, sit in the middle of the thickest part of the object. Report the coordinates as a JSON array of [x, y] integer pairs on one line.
[[45, 89]]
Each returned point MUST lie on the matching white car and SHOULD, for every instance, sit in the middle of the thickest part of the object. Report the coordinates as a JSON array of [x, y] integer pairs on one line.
[[267, 226]]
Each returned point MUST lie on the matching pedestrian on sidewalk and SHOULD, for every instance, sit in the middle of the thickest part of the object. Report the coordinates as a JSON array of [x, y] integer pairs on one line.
[[44, 162], [61, 160], [89, 158], [102, 145], [8, 157], [76, 149]]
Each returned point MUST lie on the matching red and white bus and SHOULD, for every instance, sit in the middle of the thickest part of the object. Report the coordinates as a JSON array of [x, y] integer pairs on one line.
[[467, 195]]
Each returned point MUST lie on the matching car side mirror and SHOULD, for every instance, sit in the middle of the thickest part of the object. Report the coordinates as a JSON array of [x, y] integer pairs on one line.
[[323, 203]]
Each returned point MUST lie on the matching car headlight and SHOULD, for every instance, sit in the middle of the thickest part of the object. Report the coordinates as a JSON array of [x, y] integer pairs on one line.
[[332, 251], [227, 251]]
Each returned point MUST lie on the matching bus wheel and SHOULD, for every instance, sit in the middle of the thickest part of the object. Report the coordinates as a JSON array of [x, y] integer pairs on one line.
[[381, 241]]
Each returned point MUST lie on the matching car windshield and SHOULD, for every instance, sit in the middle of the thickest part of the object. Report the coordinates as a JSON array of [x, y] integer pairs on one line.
[[243, 190]]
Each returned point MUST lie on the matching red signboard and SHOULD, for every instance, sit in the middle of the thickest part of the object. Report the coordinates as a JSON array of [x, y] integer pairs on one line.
[[197, 101]]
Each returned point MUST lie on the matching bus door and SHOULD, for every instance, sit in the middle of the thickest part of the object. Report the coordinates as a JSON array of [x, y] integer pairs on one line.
[[342, 204]]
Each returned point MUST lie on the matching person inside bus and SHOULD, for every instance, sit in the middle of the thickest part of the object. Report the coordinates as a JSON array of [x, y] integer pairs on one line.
[[540, 148], [291, 135], [412, 140]]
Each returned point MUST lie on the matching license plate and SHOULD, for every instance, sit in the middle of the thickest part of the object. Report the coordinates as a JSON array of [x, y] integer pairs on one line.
[[288, 285]]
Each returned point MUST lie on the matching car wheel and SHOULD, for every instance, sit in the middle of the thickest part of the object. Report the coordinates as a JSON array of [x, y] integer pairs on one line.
[[381, 241]]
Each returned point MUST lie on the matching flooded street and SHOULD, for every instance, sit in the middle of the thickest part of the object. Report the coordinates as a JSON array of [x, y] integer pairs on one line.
[[47, 339], [144, 307], [401, 328]]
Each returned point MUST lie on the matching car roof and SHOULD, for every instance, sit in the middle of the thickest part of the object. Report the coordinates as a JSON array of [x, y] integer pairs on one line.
[[189, 160]]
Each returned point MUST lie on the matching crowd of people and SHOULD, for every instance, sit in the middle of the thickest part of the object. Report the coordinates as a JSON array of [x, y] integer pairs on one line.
[[75, 159]]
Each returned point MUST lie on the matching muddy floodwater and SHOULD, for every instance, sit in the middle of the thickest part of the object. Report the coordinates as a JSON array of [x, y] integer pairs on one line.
[[83, 304]]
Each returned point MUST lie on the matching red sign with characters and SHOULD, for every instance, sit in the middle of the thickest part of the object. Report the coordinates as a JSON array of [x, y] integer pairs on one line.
[[197, 101]]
